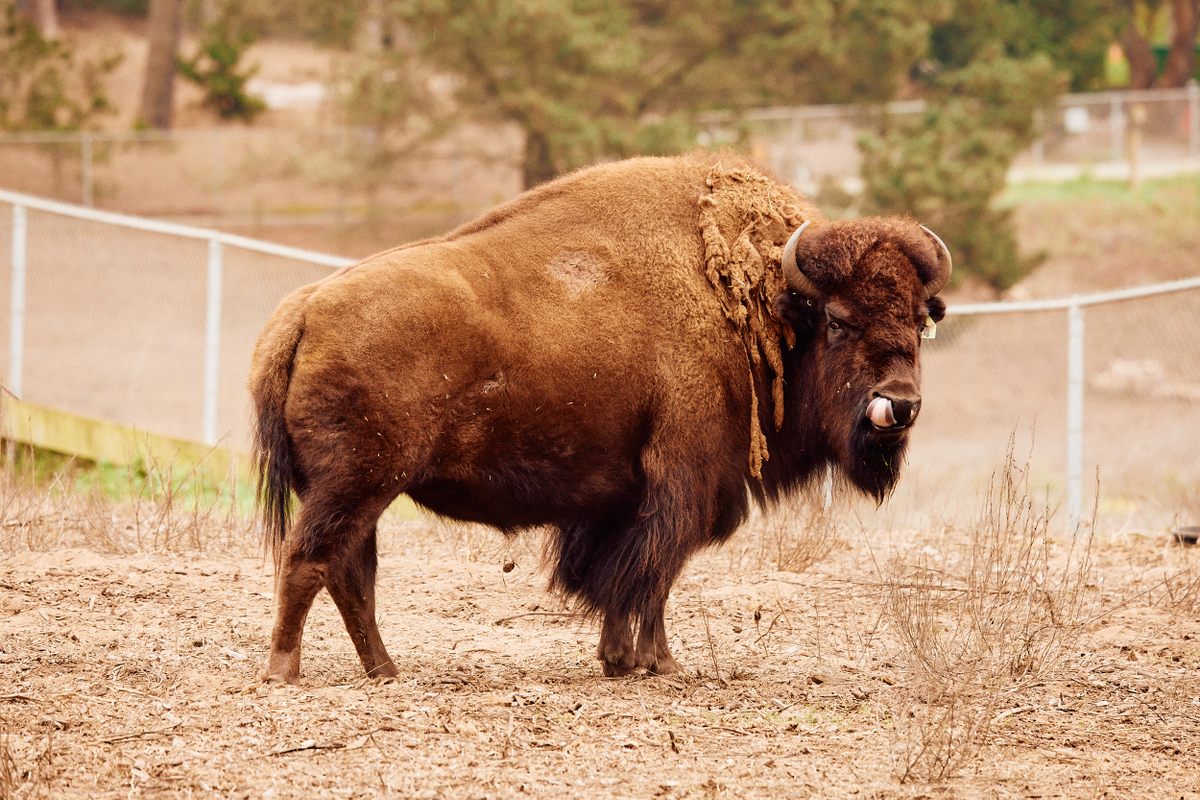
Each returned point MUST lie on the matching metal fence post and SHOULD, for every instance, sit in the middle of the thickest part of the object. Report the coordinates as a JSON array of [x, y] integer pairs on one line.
[[16, 320], [85, 154], [1039, 144], [1075, 353], [1116, 125], [217, 149], [796, 146], [212, 339], [1193, 93]]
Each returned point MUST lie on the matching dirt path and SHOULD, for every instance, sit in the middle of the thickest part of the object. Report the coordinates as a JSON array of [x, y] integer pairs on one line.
[[136, 676]]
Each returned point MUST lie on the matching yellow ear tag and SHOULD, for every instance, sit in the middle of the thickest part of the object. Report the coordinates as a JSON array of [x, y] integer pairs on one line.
[[930, 329]]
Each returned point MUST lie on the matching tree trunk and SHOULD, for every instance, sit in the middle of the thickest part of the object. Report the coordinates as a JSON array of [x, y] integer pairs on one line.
[[46, 14], [158, 92], [538, 166], [1140, 56], [1181, 60], [372, 28], [43, 14]]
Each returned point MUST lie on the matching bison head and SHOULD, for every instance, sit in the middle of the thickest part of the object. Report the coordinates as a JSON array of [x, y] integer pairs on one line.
[[860, 295]]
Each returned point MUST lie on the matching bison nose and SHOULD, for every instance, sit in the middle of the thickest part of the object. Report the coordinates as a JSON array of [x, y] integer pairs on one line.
[[905, 409], [894, 409]]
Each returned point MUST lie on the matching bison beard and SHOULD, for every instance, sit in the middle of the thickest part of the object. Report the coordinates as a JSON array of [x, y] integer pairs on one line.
[[619, 355], [874, 465]]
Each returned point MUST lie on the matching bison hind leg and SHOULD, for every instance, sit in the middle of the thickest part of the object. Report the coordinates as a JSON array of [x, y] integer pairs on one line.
[[332, 546], [351, 584]]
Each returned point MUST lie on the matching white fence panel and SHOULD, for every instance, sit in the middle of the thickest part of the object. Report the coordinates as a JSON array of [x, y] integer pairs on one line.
[[151, 324], [140, 322]]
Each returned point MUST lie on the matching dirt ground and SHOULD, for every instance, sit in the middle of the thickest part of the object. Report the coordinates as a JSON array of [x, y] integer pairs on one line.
[[135, 674]]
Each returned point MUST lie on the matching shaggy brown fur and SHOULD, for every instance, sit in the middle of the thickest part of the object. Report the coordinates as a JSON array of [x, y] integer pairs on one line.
[[607, 355], [739, 272]]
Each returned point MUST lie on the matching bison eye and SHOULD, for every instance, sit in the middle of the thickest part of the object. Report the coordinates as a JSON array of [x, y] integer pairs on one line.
[[834, 325]]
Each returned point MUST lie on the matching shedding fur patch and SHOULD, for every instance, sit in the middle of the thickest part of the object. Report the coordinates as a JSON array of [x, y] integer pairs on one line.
[[577, 271], [742, 216]]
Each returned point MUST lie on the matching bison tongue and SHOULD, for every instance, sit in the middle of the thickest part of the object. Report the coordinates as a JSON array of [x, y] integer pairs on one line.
[[879, 411]]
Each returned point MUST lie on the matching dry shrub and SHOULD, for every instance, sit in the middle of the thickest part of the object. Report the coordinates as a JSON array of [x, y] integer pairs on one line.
[[797, 534], [20, 511], [178, 508], [939, 734], [979, 621], [40, 517], [1181, 588], [470, 540]]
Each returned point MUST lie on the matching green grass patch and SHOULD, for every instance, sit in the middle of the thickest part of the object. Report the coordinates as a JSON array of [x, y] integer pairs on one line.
[[1085, 188], [137, 481]]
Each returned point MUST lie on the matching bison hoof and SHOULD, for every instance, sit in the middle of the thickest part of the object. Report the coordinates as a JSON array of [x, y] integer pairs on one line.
[[383, 672], [665, 666], [280, 678], [379, 680], [617, 670]]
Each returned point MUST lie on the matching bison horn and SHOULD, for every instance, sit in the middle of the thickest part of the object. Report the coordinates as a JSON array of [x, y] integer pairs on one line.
[[791, 270], [941, 273]]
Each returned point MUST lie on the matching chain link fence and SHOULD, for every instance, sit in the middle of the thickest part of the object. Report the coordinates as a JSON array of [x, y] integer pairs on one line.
[[1110, 135], [1100, 394], [262, 176], [140, 322], [151, 325], [268, 177]]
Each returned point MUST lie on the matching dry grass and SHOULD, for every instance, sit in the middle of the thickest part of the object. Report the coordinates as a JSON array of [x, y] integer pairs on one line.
[[22, 769], [1181, 586], [39, 518], [796, 535], [977, 621], [158, 507]]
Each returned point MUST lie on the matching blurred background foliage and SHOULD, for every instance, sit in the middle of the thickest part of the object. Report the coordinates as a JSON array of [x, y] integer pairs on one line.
[[586, 80], [218, 67], [44, 85]]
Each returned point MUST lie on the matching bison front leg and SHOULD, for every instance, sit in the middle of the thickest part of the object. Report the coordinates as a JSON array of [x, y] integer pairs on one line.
[[616, 653], [620, 657], [652, 651], [632, 574]]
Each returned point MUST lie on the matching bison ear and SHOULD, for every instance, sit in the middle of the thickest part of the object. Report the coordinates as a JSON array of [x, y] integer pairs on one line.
[[798, 311], [936, 308]]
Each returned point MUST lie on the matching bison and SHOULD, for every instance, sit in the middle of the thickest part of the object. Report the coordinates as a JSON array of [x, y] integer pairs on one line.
[[627, 356]]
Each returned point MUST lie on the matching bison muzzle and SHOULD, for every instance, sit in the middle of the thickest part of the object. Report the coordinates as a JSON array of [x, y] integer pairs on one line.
[[627, 356]]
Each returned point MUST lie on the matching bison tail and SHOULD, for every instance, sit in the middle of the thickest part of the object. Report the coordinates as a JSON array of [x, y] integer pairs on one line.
[[273, 454]]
